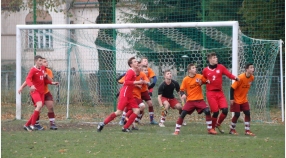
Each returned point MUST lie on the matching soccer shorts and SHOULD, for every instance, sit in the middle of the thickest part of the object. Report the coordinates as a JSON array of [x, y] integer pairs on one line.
[[145, 96], [128, 102], [172, 101], [216, 100], [193, 105], [49, 97], [37, 97], [239, 107]]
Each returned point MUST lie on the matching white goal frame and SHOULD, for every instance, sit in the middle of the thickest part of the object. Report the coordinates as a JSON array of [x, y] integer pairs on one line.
[[233, 24]]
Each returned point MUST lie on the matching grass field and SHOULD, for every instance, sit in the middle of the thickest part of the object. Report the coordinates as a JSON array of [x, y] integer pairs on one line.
[[79, 139]]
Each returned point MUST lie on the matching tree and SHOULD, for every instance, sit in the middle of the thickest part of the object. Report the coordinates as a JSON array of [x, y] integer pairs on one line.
[[106, 57]]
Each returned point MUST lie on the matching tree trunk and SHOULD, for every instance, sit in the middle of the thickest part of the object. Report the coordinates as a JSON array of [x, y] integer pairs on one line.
[[106, 53]]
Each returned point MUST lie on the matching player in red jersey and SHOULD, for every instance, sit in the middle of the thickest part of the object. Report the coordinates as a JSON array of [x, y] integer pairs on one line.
[[126, 99], [166, 97], [239, 101], [137, 95], [153, 79], [215, 95], [48, 99], [36, 80], [191, 85]]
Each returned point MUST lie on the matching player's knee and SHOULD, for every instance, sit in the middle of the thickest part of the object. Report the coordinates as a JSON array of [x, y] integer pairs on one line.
[[118, 112], [207, 111], [136, 111], [183, 114], [237, 114], [141, 105], [215, 114], [247, 113], [224, 111]]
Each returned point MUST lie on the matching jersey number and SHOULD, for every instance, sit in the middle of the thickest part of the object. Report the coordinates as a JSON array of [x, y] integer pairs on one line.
[[41, 77], [214, 78]]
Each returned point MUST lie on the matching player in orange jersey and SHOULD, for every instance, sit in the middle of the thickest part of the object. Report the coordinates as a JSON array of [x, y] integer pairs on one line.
[[191, 86], [153, 79], [239, 101]]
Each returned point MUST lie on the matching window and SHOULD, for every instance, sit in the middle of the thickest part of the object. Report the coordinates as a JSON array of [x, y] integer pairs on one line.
[[41, 38]]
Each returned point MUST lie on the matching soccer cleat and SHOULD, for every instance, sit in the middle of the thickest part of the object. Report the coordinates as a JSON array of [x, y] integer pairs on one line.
[[153, 122], [100, 127], [126, 130], [53, 127], [212, 131], [233, 132], [220, 129], [39, 127], [176, 133], [184, 123], [121, 122], [249, 133], [161, 124], [32, 127], [27, 128]]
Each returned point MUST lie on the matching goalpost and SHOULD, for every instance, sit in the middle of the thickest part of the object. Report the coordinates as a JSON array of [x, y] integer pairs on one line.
[[87, 57]]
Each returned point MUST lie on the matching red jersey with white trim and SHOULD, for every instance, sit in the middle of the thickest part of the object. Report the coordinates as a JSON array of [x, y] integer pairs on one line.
[[128, 85], [215, 77], [36, 77]]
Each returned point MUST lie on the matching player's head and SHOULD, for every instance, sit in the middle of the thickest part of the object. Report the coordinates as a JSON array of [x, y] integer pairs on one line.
[[144, 69], [167, 74], [133, 63], [45, 62], [249, 68], [212, 58], [144, 61], [192, 69], [38, 60]]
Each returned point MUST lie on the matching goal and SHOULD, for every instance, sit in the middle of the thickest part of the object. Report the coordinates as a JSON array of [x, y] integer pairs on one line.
[[87, 58]]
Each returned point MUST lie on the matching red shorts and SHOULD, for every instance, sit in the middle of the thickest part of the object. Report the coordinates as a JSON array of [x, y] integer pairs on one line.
[[172, 102], [36, 97], [216, 100], [193, 105], [49, 97], [128, 102], [239, 107], [138, 101], [145, 96]]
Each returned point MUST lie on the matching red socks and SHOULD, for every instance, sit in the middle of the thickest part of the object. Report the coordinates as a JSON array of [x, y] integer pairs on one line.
[[109, 118]]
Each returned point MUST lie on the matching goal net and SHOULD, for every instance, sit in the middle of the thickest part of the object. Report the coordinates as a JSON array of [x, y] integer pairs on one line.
[[86, 59]]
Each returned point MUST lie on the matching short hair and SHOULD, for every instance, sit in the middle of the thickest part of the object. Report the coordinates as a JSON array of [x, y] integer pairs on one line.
[[166, 71], [190, 65], [211, 55], [143, 58], [144, 66], [130, 61], [247, 65], [38, 57]]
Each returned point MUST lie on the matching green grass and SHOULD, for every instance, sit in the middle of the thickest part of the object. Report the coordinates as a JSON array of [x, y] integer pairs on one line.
[[75, 139]]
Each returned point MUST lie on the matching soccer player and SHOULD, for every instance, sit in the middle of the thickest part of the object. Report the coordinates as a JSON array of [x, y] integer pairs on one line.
[[215, 96], [166, 97], [153, 79], [137, 95], [36, 80], [126, 99], [238, 99], [48, 98], [191, 85]]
